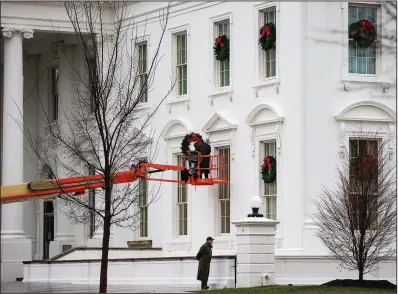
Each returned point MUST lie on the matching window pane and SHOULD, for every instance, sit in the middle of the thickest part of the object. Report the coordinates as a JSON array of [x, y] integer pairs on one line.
[[361, 66], [352, 14], [182, 205], [271, 208], [224, 192], [184, 87]]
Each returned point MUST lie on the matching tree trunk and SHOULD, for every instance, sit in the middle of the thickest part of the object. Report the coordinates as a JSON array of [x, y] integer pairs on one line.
[[104, 257], [105, 242], [360, 274]]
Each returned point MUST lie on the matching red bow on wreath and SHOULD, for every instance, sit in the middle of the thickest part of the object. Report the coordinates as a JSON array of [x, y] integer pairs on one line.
[[193, 138], [219, 42], [366, 24], [367, 160], [267, 162], [265, 30]]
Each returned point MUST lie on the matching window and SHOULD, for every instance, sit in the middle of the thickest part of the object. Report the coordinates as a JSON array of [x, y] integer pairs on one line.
[[182, 205], [223, 67], [363, 183], [143, 207], [181, 63], [91, 203], [269, 189], [224, 192], [362, 60], [143, 71], [268, 58], [54, 93], [92, 68]]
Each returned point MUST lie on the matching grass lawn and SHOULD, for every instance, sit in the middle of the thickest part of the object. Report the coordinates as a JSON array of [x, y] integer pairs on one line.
[[301, 289]]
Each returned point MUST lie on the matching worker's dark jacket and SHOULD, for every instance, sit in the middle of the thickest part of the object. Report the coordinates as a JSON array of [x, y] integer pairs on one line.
[[204, 258], [204, 149]]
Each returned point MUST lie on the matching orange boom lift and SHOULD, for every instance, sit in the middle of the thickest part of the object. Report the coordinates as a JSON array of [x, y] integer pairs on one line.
[[189, 169]]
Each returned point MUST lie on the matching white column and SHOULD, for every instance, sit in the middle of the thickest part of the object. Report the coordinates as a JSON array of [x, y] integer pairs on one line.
[[255, 251], [15, 246]]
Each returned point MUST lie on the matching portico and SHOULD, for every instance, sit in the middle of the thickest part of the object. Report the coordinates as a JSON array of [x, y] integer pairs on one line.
[[36, 73]]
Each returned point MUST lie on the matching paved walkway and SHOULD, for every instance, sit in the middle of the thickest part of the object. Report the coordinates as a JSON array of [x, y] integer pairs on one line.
[[20, 287]]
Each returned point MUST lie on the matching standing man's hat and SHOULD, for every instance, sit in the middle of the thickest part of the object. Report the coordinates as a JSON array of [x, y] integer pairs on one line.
[[210, 238]]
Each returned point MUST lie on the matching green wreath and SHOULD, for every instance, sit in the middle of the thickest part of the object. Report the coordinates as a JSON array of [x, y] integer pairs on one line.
[[188, 139], [221, 48], [268, 169], [363, 33], [267, 38]]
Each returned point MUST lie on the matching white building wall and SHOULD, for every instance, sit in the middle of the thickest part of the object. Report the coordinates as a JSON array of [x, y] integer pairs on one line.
[[297, 109]]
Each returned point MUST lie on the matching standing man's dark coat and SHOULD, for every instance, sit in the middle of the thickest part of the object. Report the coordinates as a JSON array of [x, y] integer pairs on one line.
[[204, 257]]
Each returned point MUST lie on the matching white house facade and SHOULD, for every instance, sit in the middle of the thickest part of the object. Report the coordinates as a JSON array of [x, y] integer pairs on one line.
[[300, 103]]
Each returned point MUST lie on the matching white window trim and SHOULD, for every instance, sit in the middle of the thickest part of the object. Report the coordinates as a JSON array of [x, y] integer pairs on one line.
[[135, 42], [347, 123], [137, 232], [346, 77], [174, 98], [179, 243], [262, 82], [213, 192], [347, 133], [256, 140], [259, 140], [215, 91], [217, 221]]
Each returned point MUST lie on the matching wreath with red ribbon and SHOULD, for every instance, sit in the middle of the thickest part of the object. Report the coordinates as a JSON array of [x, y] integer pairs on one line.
[[188, 139], [362, 32], [221, 48], [267, 38], [268, 169]]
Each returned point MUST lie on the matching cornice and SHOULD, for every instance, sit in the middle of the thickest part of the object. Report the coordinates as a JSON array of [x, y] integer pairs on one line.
[[106, 4]]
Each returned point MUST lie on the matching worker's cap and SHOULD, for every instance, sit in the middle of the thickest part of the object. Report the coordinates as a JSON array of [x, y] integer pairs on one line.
[[209, 238]]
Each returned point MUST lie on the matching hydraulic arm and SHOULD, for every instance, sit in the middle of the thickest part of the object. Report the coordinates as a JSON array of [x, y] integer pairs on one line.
[[78, 185]]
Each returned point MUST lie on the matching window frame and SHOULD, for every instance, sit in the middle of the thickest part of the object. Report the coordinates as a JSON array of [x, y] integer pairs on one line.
[[357, 195], [220, 83], [378, 49], [346, 77], [92, 102], [53, 105], [91, 203], [263, 54], [219, 192], [264, 196], [214, 67], [261, 80], [138, 45], [174, 97], [143, 209], [177, 203]]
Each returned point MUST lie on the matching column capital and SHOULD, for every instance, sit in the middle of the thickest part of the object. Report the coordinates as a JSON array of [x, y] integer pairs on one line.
[[9, 32]]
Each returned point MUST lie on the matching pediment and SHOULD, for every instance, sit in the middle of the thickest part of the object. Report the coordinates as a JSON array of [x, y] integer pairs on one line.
[[218, 123], [175, 129], [263, 114], [367, 111]]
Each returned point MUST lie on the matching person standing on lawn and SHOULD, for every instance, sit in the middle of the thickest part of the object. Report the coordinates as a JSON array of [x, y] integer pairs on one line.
[[204, 258]]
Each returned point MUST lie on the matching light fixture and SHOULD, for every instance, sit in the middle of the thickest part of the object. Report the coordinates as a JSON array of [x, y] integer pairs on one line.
[[255, 203]]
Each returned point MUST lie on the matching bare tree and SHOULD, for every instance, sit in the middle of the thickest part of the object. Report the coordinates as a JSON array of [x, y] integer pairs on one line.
[[357, 218], [101, 127]]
